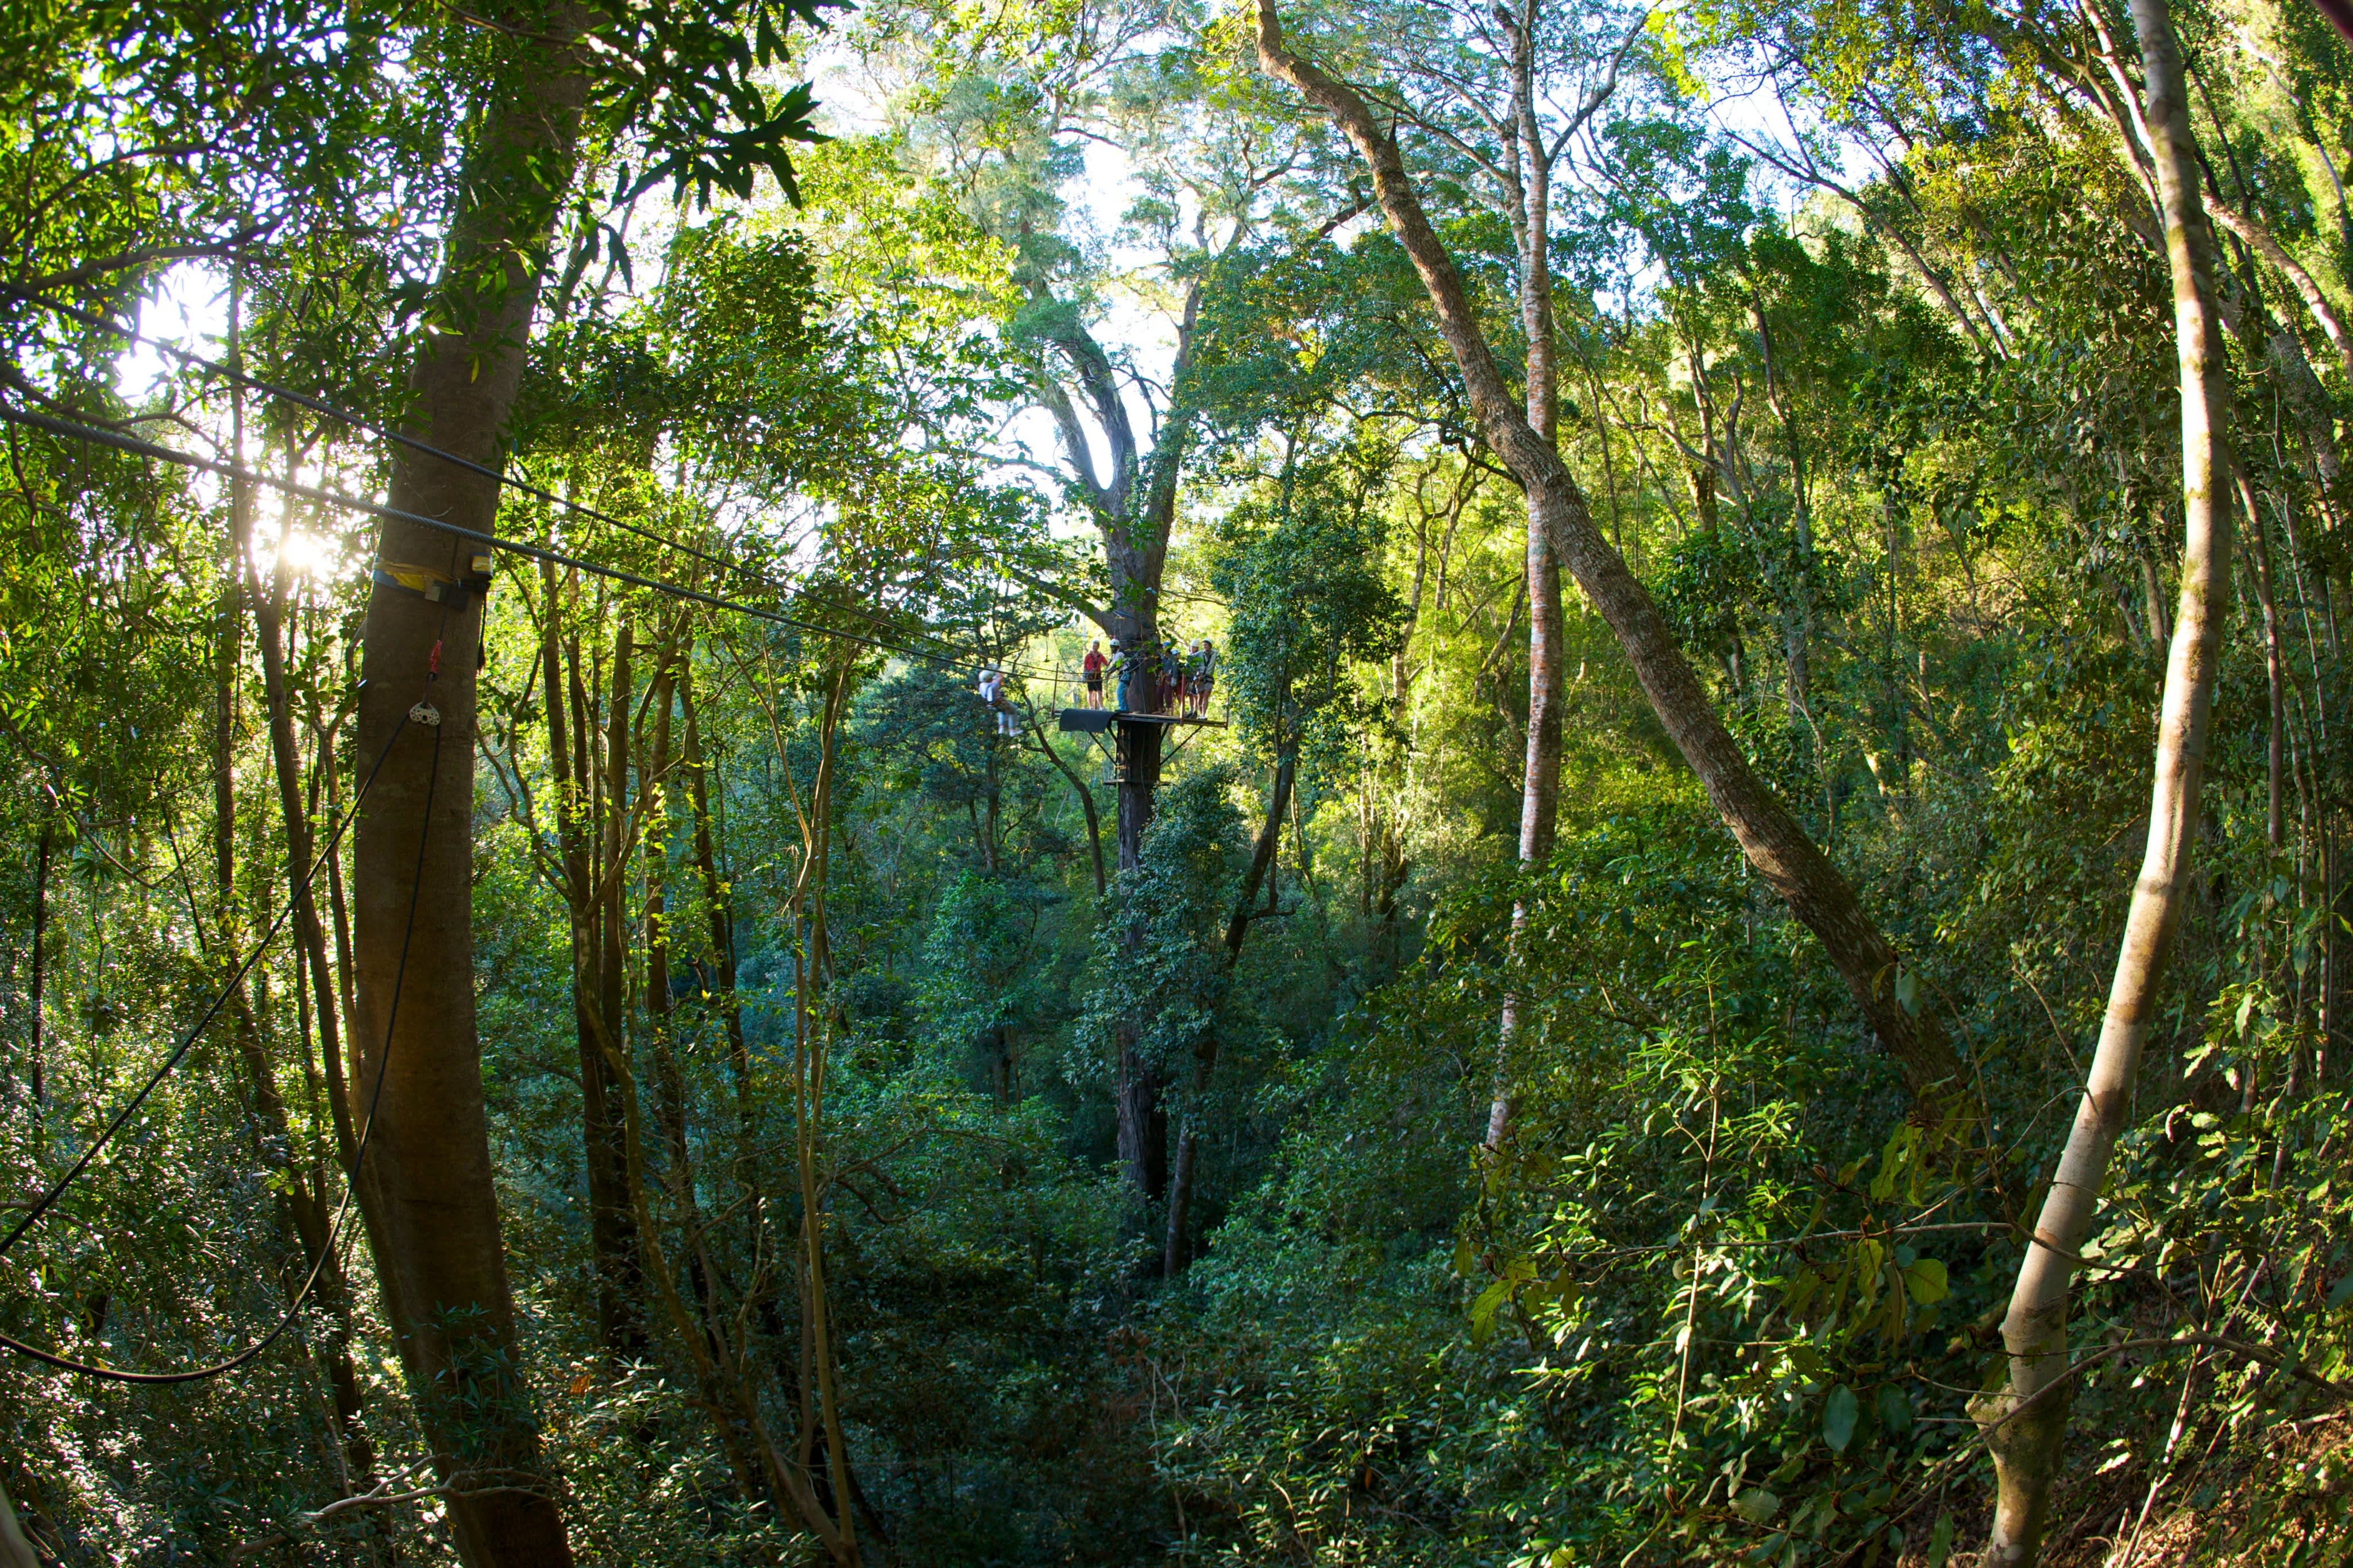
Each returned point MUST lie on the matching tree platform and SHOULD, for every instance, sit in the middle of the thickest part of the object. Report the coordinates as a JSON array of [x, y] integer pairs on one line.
[[1095, 720]]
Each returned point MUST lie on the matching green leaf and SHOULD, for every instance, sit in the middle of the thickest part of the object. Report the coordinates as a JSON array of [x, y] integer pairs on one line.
[[1896, 1411], [1483, 1311], [2341, 1292], [1756, 1505], [1838, 1412], [1870, 1263], [1926, 1283], [1940, 1540]]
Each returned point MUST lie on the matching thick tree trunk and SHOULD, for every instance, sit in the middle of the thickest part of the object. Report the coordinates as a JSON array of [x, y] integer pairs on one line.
[[429, 1199], [1142, 1119], [2024, 1422], [1540, 798], [1175, 1249], [1132, 511], [1789, 862]]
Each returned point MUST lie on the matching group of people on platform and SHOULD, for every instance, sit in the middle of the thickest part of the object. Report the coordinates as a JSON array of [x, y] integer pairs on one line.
[[1150, 675]]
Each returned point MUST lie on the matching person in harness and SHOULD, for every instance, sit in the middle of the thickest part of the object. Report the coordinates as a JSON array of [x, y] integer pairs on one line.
[[1138, 666], [1172, 675], [1202, 675], [992, 692], [1093, 665]]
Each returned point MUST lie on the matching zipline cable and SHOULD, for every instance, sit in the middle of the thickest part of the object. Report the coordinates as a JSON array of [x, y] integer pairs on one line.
[[203, 1021], [73, 430], [385, 432], [332, 1244]]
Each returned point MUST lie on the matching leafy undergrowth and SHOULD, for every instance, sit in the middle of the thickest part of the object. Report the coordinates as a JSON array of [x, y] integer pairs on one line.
[[2284, 1499]]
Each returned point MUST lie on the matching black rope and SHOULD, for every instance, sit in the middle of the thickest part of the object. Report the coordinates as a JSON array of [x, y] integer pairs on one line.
[[203, 1021], [332, 1244], [384, 432], [71, 430]]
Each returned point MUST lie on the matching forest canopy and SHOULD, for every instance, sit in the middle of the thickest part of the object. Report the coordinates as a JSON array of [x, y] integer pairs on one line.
[[1002, 785]]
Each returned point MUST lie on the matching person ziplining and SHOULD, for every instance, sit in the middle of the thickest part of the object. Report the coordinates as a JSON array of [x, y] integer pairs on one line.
[[992, 694]]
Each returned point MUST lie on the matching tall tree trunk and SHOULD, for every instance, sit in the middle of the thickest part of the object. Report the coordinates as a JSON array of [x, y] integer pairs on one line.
[[1143, 1119], [718, 905], [1540, 799], [1175, 1249], [1789, 861], [431, 1207], [2024, 1422], [309, 933], [669, 1088], [588, 838], [2275, 669], [612, 1225], [1132, 511], [306, 1203], [813, 1039], [1540, 781], [230, 649], [232, 629]]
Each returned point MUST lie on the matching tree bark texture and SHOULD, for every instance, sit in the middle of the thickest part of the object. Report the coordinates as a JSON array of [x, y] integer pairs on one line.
[[431, 1210], [2024, 1422], [1789, 862], [1540, 781]]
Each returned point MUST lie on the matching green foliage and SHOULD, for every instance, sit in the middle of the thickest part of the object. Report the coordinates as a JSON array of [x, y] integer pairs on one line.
[[1879, 413], [1310, 608], [1160, 944]]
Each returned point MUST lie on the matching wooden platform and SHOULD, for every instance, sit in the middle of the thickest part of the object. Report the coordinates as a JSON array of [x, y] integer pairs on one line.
[[1095, 720]]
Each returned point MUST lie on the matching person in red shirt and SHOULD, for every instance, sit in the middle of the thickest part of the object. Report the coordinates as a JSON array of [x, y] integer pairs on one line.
[[1093, 664]]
